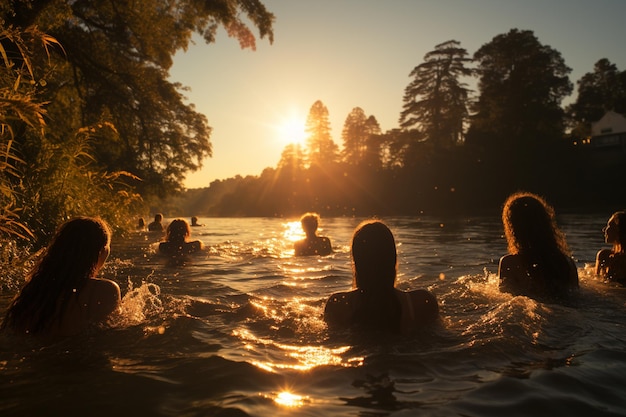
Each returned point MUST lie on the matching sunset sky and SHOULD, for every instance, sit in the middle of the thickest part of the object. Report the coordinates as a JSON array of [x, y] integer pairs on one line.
[[359, 53]]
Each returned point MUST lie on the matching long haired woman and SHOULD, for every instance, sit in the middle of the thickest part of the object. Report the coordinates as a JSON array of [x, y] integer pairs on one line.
[[374, 302], [539, 262], [62, 295]]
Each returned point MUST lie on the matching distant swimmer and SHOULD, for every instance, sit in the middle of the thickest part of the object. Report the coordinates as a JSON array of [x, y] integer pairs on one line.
[[62, 296], [312, 244], [194, 222], [157, 224], [176, 240], [611, 263], [375, 303], [141, 224], [539, 262]]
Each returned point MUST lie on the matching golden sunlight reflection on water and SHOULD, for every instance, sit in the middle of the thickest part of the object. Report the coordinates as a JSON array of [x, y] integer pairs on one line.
[[293, 231], [305, 357], [288, 399]]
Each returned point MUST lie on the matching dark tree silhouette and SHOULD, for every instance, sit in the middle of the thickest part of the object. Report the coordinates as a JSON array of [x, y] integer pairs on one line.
[[436, 101], [358, 144], [521, 84], [599, 91]]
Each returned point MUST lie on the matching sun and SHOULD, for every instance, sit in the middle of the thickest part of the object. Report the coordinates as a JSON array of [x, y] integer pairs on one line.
[[291, 131]]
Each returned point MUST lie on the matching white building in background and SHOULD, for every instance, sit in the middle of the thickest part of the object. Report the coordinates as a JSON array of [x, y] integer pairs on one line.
[[609, 132]]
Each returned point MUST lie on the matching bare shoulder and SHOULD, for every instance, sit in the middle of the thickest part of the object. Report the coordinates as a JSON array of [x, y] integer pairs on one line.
[[510, 261], [419, 306], [339, 308], [603, 254], [102, 297]]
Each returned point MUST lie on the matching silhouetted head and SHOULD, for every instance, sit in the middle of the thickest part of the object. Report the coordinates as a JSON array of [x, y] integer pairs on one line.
[[178, 230], [194, 221], [374, 256], [80, 241], [310, 222], [141, 223], [158, 217], [618, 236], [530, 224]]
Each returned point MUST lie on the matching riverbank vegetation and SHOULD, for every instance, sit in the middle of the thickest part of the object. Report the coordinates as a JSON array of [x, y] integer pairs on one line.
[[89, 122]]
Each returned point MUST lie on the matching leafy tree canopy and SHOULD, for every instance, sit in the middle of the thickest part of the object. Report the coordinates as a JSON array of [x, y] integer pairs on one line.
[[522, 84], [599, 91], [113, 69]]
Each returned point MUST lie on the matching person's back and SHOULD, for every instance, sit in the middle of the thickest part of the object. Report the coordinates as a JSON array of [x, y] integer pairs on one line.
[[97, 300], [416, 309], [312, 244], [555, 276], [180, 248], [157, 224], [538, 263], [375, 304], [176, 243], [316, 245]]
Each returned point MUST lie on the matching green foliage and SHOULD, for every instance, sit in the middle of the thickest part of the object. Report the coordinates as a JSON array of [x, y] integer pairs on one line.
[[115, 69], [522, 84], [19, 110], [66, 181], [45, 180]]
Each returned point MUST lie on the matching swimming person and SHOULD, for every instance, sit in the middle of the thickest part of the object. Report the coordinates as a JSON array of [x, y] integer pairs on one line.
[[157, 224], [312, 244], [611, 263], [194, 222], [62, 296], [375, 303], [539, 262], [176, 239], [141, 224]]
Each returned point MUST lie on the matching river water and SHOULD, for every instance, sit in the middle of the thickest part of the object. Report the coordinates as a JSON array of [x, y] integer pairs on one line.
[[237, 330]]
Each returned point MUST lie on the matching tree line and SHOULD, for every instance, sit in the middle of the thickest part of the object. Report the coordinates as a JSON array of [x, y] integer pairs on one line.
[[455, 150]]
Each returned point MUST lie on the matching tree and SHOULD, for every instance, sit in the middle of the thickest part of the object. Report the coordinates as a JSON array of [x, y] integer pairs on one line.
[[114, 69], [322, 150], [291, 159], [358, 144], [599, 91], [521, 86], [373, 156], [436, 101]]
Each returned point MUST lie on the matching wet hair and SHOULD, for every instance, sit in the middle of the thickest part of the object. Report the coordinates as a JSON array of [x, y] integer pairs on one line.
[[375, 267], [530, 225], [531, 231], [63, 269], [178, 230], [620, 221], [310, 222]]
